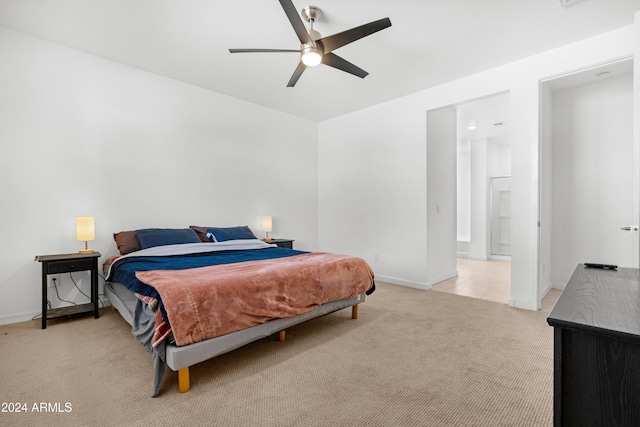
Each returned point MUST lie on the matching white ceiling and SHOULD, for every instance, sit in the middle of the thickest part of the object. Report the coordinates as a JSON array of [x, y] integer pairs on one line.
[[490, 116], [430, 42]]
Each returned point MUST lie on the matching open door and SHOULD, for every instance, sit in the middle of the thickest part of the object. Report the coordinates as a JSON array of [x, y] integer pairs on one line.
[[589, 172], [441, 194]]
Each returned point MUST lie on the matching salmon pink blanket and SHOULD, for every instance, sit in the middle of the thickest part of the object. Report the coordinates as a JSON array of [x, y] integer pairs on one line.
[[207, 302]]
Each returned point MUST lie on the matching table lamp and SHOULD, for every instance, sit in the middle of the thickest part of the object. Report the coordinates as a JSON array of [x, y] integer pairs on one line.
[[85, 231], [267, 226]]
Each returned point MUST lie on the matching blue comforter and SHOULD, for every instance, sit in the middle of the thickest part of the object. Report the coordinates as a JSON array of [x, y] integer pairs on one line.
[[124, 270]]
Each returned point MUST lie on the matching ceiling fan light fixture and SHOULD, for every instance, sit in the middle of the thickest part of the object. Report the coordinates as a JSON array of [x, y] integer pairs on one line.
[[315, 49], [311, 56]]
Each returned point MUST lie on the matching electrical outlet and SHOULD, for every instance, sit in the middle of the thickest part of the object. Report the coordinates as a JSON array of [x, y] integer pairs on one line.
[[54, 280]]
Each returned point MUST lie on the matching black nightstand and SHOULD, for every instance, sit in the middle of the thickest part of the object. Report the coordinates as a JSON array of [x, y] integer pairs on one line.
[[68, 263], [282, 243]]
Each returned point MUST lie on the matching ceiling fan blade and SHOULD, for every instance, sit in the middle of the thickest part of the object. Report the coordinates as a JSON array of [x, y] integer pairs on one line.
[[296, 74], [296, 21], [340, 39], [262, 50], [333, 60]]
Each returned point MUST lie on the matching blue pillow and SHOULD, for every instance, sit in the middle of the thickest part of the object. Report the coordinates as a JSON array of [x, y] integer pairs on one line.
[[150, 237], [221, 234]]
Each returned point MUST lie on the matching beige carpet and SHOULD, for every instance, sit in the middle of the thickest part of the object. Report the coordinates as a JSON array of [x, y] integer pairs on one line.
[[413, 358]]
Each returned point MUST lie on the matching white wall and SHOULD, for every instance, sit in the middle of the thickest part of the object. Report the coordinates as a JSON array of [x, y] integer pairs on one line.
[[498, 157], [372, 190], [80, 135], [372, 167], [479, 244]]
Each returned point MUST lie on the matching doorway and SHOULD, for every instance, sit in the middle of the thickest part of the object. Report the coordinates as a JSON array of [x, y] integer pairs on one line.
[[588, 165], [483, 157], [478, 129]]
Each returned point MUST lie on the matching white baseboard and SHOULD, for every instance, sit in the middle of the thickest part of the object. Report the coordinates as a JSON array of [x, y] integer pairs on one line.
[[527, 305], [25, 317], [417, 285], [402, 282], [545, 291], [442, 278], [17, 318]]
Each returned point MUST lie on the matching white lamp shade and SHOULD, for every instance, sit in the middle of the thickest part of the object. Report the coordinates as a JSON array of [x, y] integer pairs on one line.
[[267, 224], [85, 228]]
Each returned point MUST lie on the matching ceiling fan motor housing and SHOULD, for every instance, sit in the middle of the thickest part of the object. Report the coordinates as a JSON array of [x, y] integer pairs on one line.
[[311, 13]]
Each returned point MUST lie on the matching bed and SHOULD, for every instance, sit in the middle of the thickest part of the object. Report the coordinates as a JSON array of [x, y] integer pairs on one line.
[[193, 294]]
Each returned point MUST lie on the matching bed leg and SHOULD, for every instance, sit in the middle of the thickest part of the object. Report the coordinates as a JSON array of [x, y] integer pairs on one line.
[[113, 308], [281, 336], [183, 380], [354, 311]]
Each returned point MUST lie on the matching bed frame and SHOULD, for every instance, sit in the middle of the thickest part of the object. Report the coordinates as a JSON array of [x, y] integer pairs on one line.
[[179, 359]]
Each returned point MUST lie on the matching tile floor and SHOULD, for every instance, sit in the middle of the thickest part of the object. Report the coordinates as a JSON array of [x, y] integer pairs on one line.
[[490, 280]]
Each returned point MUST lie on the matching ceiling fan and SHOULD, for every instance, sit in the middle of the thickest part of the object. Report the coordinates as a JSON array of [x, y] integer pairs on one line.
[[315, 49]]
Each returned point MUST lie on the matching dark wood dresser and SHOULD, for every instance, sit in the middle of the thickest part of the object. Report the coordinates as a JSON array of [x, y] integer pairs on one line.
[[597, 349]]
